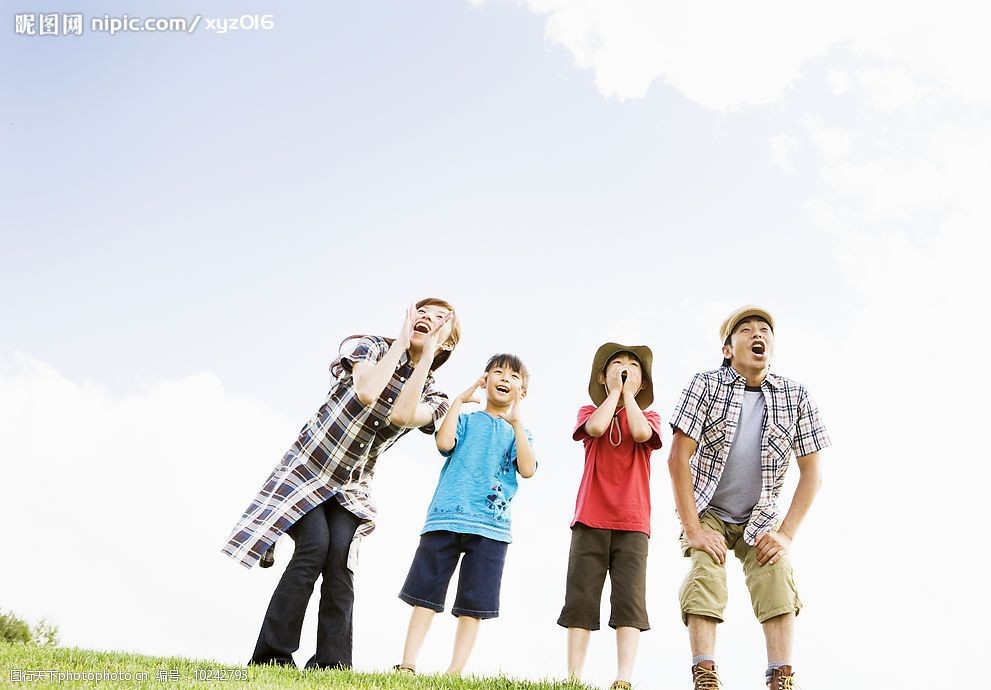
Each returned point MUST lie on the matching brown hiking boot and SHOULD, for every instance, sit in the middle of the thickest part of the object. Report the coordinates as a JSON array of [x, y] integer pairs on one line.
[[704, 676], [782, 679]]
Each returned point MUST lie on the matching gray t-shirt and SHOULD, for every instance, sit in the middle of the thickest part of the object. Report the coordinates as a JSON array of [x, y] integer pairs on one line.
[[740, 483]]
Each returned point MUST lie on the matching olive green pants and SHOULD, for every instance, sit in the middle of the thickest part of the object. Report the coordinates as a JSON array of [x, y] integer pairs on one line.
[[772, 587]]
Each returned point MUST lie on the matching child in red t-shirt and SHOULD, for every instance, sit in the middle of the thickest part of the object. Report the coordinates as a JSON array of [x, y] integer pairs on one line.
[[611, 526]]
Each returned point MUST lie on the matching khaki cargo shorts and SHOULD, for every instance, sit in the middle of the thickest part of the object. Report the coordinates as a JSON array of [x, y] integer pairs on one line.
[[772, 587]]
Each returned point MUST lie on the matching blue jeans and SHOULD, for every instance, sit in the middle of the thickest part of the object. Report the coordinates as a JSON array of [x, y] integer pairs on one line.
[[323, 538], [479, 581]]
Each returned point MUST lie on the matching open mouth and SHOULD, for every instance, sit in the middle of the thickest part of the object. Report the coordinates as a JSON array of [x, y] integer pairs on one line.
[[421, 327], [502, 388], [758, 348]]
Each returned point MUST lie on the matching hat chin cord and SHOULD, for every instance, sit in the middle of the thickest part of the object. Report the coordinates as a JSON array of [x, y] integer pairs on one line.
[[614, 423]]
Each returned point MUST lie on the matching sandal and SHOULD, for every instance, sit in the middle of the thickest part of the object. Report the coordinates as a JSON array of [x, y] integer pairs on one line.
[[268, 558]]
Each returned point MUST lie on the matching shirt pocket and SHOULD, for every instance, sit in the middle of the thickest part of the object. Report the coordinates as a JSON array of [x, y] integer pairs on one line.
[[778, 444], [714, 436]]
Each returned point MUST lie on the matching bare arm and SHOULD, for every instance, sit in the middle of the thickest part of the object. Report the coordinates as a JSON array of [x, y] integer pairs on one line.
[[371, 379], [597, 424], [526, 461], [679, 465], [774, 544], [447, 434], [408, 412], [640, 428]]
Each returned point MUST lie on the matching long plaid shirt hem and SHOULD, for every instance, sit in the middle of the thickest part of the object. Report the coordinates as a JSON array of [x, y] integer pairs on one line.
[[709, 413], [333, 458]]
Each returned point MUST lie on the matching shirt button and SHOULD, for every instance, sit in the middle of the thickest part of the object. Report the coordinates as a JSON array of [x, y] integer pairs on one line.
[[390, 399], [362, 445], [402, 378], [376, 423]]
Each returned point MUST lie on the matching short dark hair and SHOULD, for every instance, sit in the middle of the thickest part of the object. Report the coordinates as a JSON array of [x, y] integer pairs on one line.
[[508, 361], [610, 358]]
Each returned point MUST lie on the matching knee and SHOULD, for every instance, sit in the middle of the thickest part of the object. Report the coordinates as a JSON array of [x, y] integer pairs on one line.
[[704, 587], [704, 590], [335, 564], [310, 555], [773, 591], [705, 566]]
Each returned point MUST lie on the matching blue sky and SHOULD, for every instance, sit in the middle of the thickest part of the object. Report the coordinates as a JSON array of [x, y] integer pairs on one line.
[[207, 185], [191, 223]]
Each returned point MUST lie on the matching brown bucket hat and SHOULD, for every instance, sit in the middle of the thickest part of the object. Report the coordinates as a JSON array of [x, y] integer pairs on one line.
[[597, 391]]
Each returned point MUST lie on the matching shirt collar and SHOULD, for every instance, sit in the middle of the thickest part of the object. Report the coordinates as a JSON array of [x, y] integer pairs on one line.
[[405, 361], [729, 376]]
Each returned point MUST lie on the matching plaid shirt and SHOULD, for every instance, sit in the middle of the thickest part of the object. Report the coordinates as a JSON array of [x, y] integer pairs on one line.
[[709, 411], [334, 457]]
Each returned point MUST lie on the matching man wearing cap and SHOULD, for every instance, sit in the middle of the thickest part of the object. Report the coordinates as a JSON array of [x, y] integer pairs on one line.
[[735, 430]]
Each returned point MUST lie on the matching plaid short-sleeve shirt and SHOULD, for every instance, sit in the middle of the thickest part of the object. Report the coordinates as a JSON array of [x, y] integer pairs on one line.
[[333, 458], [709, 412]]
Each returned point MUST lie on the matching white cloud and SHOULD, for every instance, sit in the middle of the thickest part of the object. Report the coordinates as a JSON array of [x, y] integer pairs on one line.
[[783, 148], [723, 55], [720, 58], [892, 87], [839, 81], [944, 174], [832, 143], [118, 506]]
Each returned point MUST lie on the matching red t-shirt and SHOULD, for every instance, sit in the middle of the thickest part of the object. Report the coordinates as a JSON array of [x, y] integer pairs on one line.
[[615, 488]]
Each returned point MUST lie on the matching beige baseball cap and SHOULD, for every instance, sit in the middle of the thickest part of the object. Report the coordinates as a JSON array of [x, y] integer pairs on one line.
[[745, 312]]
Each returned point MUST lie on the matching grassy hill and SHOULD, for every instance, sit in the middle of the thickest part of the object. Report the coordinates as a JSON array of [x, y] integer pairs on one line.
[[30, 666]]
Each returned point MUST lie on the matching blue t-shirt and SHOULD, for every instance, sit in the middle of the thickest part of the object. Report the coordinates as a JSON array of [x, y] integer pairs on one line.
[[478, 480]]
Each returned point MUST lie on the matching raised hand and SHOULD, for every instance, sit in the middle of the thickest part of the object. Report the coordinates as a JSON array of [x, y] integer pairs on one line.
[[513, 414], [469, 395], [406, 332], [634, 380], [433, 336], [614, 379]]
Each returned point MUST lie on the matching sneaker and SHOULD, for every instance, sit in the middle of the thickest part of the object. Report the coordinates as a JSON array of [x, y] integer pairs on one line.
[[704, 676], [782, 679], [268, 558], [621, 685], [404, 669]]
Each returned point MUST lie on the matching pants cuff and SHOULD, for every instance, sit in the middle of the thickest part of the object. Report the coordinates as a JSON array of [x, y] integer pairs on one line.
[[413, 601], [457, 611], [718, 616]]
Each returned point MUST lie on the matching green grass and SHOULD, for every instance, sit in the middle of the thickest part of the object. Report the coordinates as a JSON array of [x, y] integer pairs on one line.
[[16, 660]]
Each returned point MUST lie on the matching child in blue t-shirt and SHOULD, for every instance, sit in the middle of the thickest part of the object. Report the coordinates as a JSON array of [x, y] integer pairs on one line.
[[469, 513]]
